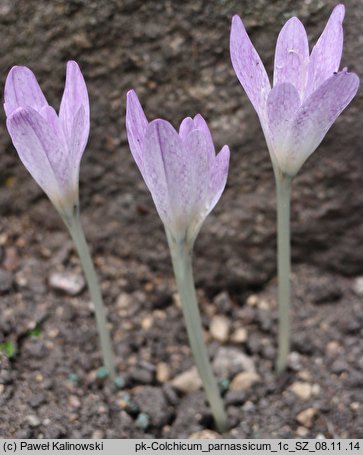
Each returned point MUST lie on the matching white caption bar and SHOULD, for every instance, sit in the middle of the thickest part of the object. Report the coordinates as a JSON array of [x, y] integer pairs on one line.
[[181, 446]]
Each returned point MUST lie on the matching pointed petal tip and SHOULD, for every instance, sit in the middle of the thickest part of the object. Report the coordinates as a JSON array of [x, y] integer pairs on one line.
[[339, 11], [17, 68], [353, 76], [131, 93], [225, 152], [198, 117], [294, 21], [132, 100], [72, 63]]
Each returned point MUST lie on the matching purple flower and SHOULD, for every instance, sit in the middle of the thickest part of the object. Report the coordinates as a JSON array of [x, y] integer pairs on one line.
[[181, 170], [49, 145], [308, 92]]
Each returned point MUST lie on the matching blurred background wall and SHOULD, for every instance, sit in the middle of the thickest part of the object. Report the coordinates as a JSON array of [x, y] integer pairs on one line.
[[176, 56]]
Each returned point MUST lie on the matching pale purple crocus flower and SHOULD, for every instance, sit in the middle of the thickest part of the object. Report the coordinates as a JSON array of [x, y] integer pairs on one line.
[[308, 93], [186, 179], [184, 175], [50, 145], [307, 96]]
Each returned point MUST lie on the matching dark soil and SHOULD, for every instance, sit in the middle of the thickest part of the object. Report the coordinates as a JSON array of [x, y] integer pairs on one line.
[[176, 57]]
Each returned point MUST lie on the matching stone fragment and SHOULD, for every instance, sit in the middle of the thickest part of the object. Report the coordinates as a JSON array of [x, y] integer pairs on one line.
[[162, 372], [205, 434], [358, 286], [124, 301], [33, 420], [188, 381], [67, 282], [306, 417], [142, 375], [239, 336], [252, 300], [219, 328], [74, 402], [303, 390], [152, 402], [147, 322], [302, 432], [245, 380], [294, 361], [230, 361]]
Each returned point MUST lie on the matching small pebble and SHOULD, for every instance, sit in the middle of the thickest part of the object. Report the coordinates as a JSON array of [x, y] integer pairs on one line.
[[152, 402], [333, 347], [143, 421], [239, 336], [73, 378], [294, 361], [205, 434], [303, 390], [219, 328], [147, 322], [142, 375], [358, 286], [234, 397], [354, 406], [302, 432], [98, 434], [74, 402], [223, 385], [244, 381], [124, 301], [102, 373], [252, 300], [230, 361], [188, 381], [306, 417], [33, 420], [162, 372], [119, 382], [67, 282]]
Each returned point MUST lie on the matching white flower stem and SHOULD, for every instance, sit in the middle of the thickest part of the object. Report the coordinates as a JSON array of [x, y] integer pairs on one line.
[[283, 191], [76, 231], [181, 254]]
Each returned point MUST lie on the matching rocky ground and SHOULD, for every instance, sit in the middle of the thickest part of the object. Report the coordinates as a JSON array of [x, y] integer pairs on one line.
[[176, 57]]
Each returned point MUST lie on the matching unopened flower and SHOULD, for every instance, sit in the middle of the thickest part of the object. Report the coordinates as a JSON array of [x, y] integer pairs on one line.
[[49, 145], [181, 169], [308, 92]]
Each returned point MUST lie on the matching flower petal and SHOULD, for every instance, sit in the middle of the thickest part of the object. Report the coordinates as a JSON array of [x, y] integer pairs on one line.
[[317, 114], [52, 119], [248, 66], [292, 55], [201, 125], [186, 126], [165, 170], [197, 123], [136, 123], [219, 176], [76, 145], [22, 90], [75, 95], [282, 104], [198, 163], [35, 144], [327, 52]]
